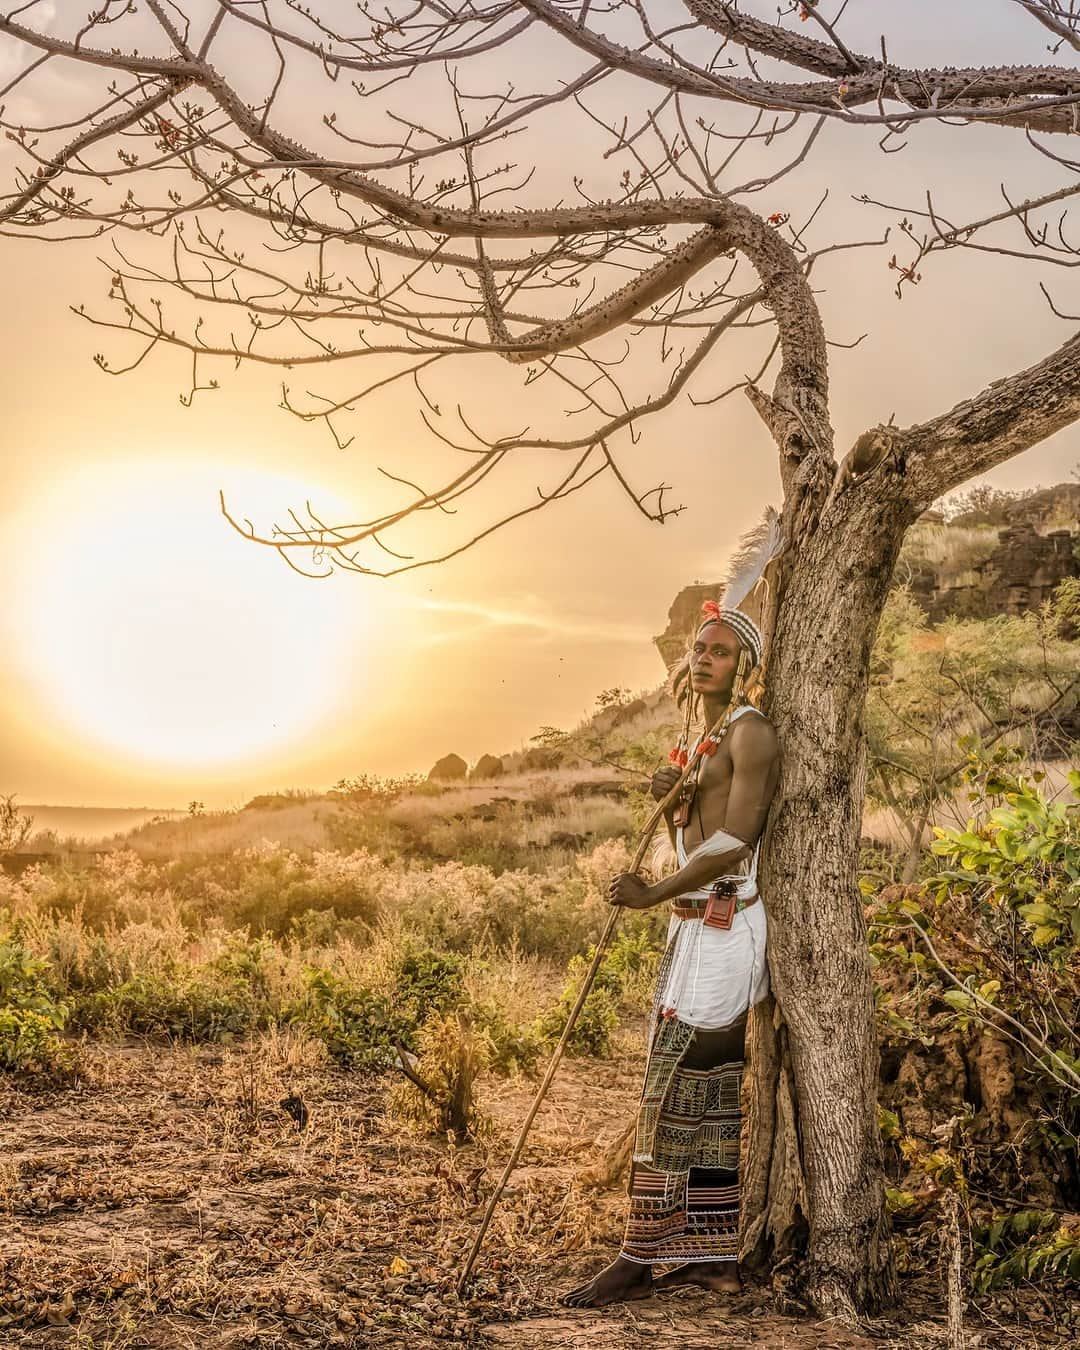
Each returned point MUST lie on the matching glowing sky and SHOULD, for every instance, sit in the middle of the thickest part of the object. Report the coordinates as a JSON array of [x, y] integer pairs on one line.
[[150, 656]]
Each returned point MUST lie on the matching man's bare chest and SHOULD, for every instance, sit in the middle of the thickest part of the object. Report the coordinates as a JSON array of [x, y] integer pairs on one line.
[[704, 808]]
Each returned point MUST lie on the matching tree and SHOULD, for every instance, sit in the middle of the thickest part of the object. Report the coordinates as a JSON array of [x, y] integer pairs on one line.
[[381, 243], [15, 826]]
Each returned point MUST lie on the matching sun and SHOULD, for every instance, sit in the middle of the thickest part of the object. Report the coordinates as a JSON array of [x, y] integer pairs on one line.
[[150, 628]]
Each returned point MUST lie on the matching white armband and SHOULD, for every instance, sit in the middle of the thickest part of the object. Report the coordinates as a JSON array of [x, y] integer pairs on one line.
[[718, 842], [663, 858]]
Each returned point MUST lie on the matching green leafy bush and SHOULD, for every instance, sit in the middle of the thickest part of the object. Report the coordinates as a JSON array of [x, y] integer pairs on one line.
[[599, 1014], [31, 1017], [1023, 857], [512, 1047], [427, 982], [1032, 1246], [198, 1006], [360, 1028], [997, 927], [978, 987]]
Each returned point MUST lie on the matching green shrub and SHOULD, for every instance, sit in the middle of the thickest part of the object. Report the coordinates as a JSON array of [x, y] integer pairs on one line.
[[31, 1017], [359, 1027], [599, 1014], [197, 1006], [625, 975], [512, 1048], [427, 982], [1028, 1247], [632, 959], [993, 934], [1024, 856]]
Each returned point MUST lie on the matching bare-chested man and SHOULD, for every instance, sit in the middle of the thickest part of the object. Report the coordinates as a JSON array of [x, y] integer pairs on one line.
[[684, 1183]]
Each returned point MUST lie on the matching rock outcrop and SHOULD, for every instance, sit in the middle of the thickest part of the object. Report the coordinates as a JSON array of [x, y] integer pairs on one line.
[[1019, 575], [487, 766], [451, 768], [683, 615], [1029, 560]]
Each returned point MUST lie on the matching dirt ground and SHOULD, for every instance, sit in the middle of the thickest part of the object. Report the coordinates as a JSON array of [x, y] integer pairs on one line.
[[170, 1201]]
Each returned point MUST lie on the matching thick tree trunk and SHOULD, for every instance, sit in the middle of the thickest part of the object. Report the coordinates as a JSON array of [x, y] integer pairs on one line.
[[813, 1186]]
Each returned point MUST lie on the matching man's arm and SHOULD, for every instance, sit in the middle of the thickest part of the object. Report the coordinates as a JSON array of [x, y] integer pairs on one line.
[[753, 760]]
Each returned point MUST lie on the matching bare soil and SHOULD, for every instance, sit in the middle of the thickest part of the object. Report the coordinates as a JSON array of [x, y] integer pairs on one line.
[[169, 1201]]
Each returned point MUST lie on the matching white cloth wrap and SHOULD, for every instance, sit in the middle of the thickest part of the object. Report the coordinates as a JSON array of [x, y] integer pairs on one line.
[[715, 974], [717, 843]]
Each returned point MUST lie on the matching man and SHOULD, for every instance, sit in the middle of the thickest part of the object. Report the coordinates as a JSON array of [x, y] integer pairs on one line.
[[684, 1197]]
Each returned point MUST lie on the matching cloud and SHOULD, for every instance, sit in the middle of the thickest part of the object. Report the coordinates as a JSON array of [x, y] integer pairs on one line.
[[544, 624]]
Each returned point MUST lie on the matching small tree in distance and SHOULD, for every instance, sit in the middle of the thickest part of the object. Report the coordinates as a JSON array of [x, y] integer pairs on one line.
[[384, 229], [15, 826]]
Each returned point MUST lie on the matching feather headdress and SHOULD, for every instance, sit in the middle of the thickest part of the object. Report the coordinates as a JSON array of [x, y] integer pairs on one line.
[[741, 607], [753, 553]]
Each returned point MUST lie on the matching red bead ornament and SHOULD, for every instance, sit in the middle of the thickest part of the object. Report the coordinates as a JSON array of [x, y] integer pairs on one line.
[[679, 757], [708, 746]]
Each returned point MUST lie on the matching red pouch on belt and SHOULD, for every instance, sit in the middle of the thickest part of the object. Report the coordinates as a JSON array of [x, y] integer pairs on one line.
[[720, 906]]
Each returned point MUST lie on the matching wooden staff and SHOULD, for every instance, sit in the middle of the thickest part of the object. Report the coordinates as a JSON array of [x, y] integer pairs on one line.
[[590, 976]]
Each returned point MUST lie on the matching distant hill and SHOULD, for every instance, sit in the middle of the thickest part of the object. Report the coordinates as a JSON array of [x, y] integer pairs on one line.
[[985, 553], [92, 823]]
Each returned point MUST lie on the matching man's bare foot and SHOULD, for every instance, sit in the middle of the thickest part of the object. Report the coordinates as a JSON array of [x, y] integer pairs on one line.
[[618, 1283], [722, 1277]]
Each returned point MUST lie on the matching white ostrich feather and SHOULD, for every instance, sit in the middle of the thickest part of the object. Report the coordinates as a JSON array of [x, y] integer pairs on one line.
[[754, 552]]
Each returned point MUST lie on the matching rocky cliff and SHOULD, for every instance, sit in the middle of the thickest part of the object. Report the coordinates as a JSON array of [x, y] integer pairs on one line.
[[1021, 572], [1002, 553]]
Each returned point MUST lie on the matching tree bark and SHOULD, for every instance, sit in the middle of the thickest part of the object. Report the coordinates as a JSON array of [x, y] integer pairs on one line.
[[813, 1182]]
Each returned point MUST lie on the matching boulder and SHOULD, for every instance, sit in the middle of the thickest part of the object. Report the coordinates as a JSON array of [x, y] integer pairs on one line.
[[487, 766], [451, 768], [538, 759]]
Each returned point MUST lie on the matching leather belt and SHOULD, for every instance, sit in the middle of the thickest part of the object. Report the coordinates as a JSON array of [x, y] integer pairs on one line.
[[688, 908]]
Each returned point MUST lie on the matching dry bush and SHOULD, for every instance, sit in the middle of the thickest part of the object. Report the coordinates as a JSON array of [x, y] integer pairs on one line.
[[15, 825], [951, 550], [439, 1094]]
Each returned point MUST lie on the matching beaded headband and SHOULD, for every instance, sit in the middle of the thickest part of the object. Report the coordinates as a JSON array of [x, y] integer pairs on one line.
[[744, 628]]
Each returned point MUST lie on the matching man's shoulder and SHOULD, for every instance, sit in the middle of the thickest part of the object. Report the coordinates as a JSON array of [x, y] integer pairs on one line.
[[751, 716], [753, 728]]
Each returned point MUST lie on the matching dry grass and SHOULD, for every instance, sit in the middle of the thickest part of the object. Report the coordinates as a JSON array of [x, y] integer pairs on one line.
[[172, 1202], [306, 822], [298, 826], [953, 551], [174, 1197]]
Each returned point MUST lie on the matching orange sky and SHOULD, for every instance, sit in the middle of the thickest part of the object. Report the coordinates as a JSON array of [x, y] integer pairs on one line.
[[150, 656]]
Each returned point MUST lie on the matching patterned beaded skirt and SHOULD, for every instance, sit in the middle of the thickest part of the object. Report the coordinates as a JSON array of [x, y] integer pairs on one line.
[[684, 1183]]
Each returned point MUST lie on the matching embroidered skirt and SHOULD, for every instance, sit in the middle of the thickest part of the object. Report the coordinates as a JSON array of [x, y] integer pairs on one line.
[[684, 1183]]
